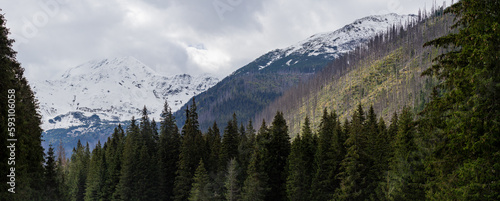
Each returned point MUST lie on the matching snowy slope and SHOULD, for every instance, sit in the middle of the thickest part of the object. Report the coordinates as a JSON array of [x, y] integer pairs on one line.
[[113, 90], [330, 45]]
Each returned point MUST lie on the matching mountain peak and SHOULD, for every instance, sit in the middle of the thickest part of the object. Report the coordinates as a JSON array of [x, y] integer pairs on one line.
[[113, 89], [107, 67]]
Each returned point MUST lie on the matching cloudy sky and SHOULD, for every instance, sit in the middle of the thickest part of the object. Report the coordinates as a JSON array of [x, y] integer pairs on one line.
[[174, 36]]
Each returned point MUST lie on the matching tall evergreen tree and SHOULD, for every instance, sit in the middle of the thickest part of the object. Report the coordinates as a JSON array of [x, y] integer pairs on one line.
[[464, 118], [230, 141], [232, 185], [199, 191], [113, 155], [96, 176], [78, 169], [405, 182], [354, 166], [323, 184], [301, 164], [245, 149], [213, 140], [191, 151], [279, 146], [168, 153], [51, 181], [26, 121], [256, 186], [127, 186]]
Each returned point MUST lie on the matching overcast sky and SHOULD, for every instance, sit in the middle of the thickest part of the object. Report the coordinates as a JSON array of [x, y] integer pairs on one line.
[[175, 36]]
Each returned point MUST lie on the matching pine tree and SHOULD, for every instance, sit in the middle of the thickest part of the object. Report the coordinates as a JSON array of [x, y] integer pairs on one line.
[[326, 162], [279, 147], [406, 165], [126, 188], [301, 164], [464, 117], [191, 151], [113, 155], [96, 176], [51, 181], [256, 186], [353, 167], [230, 141], [213, 140], [78, 169], [168, 153], [245, 149], [200, 181], [232, 184], [29, 159]]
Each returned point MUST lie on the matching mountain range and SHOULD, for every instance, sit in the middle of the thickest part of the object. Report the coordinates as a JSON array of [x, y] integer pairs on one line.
[[89, 100], [248, 90], [94, 97]]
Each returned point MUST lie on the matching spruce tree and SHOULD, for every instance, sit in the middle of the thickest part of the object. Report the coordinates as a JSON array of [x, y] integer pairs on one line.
[[325, 163], [126, 188], [168, 153], [231, 184], [26, 120], [198, 190], [279, 149], [96, 176], [113, 155], [213, 140], [353, 167], [464, 116], [78, 169], [230, 141], [191, 151], [301, 164], [256, 185], [51, 181]]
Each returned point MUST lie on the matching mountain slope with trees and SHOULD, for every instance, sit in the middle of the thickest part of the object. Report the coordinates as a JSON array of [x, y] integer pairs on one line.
[[251, 88], [386, 73]]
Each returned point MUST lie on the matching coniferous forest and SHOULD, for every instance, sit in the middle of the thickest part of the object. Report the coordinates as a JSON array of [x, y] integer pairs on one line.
[[448, 151]]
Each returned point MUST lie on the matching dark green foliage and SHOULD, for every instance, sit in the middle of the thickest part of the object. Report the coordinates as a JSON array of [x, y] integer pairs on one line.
[[404, 178], [77, 174], [355, 166], [191, 151], [199, 191], [113, 155], [230, 141], [256, 184], [329, 153], [29, 154], [279, 148], [128, 177], [50, 176], [245, 149], [463, 117], [168, 154], [232, 185], [301, 164], [96, 176]]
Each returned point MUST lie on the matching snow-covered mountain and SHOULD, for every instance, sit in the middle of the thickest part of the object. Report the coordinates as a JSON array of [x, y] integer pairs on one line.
[[270, 75], [330, 45], [112, 90]]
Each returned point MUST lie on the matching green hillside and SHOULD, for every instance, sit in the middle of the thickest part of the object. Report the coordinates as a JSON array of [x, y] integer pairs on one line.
[[386, 74]]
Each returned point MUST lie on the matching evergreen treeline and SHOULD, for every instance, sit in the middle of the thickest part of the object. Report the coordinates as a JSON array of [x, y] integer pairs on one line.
[[22, 158], [450, 151]]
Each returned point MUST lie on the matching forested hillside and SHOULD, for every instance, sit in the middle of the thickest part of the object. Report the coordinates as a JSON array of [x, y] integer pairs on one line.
[[386, 73], [449, 150], [254, 86]]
